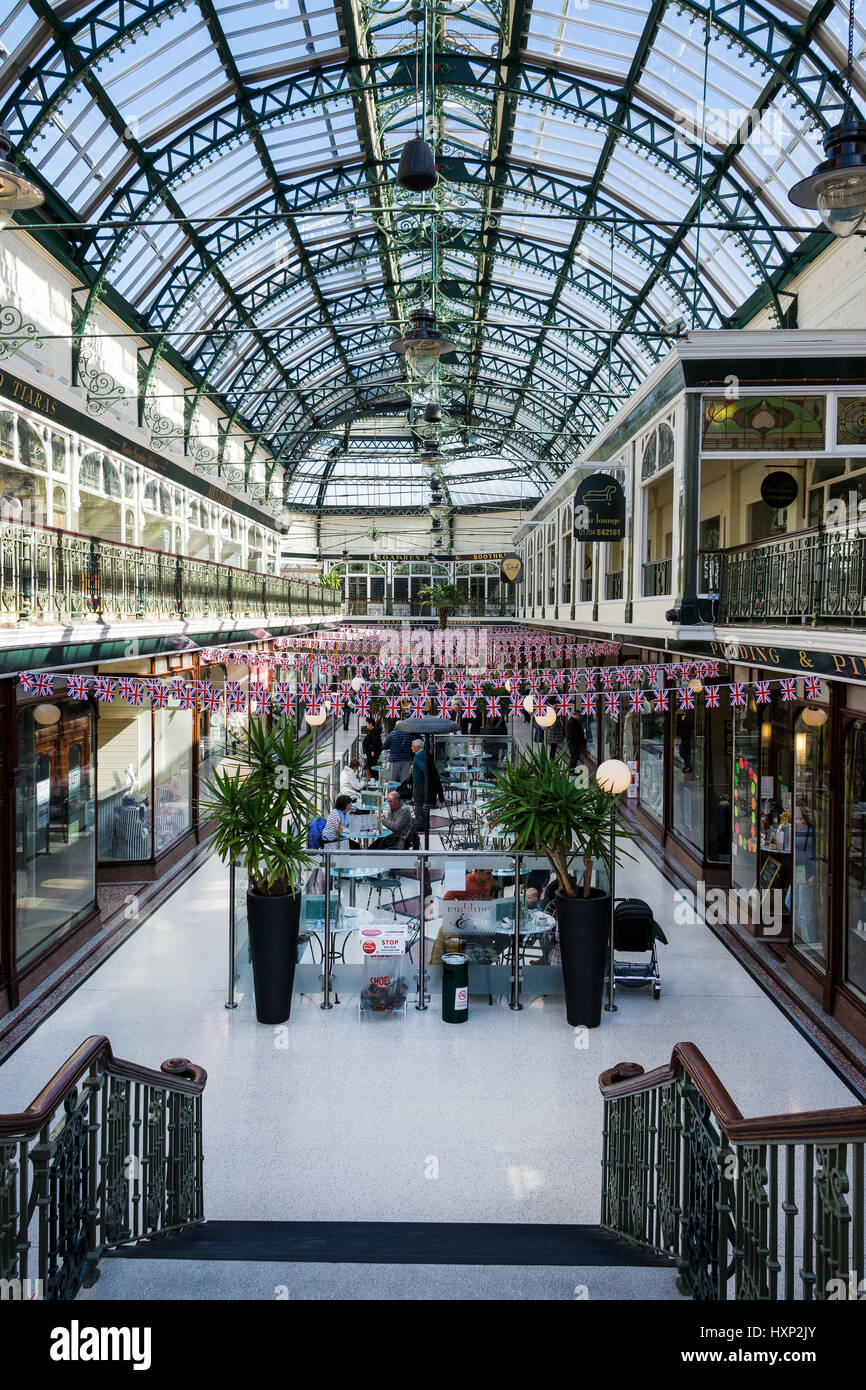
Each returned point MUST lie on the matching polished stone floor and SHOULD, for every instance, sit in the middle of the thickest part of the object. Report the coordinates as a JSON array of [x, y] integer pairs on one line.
[[413, 1119]]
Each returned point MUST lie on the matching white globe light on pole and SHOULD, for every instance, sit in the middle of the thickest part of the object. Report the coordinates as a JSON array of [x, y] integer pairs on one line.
[[547, 718], [529, 703], [316, 717], [357, 683], [613, 776]]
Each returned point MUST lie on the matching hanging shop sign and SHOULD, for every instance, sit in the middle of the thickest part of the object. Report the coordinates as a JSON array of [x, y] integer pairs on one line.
[[599, 509], [511, 569], [779, 490]]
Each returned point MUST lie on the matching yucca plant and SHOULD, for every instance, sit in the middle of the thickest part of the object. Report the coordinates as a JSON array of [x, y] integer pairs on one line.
[[261, 808], [444, 597], [550, 814]]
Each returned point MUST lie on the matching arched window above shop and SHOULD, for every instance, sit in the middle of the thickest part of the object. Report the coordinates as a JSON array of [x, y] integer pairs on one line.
[[90, 471], [110, 479], [31, 448]]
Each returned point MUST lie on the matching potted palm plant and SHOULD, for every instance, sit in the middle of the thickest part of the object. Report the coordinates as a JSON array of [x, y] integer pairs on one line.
[[550, 814], [444, 597], [259, 812]]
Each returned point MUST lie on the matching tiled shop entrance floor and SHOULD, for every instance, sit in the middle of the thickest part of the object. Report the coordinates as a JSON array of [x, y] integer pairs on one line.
[[388, 1120]]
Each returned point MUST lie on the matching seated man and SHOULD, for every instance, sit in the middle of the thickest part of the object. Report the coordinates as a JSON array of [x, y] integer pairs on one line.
[[398, 823]]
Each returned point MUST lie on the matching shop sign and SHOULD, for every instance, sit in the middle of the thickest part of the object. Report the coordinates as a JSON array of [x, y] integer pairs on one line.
[[73, 780], [779, 490], [845, 666], [384, 951], [599, 509], [511, 569], [43, 802]]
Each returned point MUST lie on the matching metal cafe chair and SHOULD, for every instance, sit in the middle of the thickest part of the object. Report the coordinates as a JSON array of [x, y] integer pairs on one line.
[[388, 882]]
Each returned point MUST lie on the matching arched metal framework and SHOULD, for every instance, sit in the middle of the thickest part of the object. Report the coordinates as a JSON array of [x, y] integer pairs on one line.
[[608, 176]]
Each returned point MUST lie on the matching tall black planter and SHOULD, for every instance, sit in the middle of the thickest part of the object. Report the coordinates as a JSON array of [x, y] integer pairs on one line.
[[273, 927], [584, 934]]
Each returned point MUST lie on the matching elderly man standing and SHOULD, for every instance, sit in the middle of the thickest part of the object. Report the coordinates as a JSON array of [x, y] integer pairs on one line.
[[398, 823], [419, 775]]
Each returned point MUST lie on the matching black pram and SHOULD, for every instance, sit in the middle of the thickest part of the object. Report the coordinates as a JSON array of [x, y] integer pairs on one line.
[[635, 930]]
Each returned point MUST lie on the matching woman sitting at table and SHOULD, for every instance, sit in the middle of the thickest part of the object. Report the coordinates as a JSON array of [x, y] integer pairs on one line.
[[337, 824], [350, 781]]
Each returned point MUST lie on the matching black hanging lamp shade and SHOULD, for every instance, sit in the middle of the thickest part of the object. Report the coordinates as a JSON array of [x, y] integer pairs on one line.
[[837, 188], [432, 413], [417, 168]]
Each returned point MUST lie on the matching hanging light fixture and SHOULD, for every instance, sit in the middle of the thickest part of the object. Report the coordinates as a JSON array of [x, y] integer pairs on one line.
[[17, 193], [431, 456], [423, 345], [432, 413], [837, 188], [814, 716], [416, 171]]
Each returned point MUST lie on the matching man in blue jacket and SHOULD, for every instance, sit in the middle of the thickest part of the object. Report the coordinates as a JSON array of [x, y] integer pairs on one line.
[[399, 749]]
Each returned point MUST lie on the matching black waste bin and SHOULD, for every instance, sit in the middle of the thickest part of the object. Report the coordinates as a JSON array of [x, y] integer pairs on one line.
[[455, 989]]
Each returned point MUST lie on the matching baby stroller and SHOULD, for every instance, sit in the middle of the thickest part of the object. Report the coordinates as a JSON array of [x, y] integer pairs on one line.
[[635, 930]]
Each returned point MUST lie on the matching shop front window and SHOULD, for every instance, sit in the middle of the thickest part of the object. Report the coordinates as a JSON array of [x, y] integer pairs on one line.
[[744, 797], [54, 822], [172, 774], [855, 857], [687, 773], [124, 788], [718, 746], [652, 757], [212, 732], [809, 898]]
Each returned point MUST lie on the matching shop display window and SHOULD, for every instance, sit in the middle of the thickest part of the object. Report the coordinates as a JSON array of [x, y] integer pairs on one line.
[[652, 757], [809, 895], [855, 858], [55, 822]]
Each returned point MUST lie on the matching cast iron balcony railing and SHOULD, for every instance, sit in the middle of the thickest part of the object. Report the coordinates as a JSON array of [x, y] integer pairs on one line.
[[767, 1208], [107, 1154], [52, 576], [815, 577], [613, 584], [657, 578]]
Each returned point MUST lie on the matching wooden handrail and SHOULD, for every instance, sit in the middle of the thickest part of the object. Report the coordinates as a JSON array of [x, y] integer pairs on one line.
[[176, 1074], [629, 1079]]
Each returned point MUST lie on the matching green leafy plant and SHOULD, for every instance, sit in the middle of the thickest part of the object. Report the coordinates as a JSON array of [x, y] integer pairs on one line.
[[332, 580], [444, 597], [260, 809], [550, 813]]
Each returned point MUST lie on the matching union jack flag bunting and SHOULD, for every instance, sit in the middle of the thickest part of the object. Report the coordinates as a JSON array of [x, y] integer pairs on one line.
[[212, 699], [551, 679], [711, 696], [280, 698], [611, 702], [404, 690], [589, 677], [305, 690], [44, 685], [587, 704], [606, 675], [564, 704], [534, 684], [687, 698], [492, 707], [416, 707], [103, 689], [762, 692], [712, 668], [672, 670], [738, 693], [788, 687], [259, 694], [515, 702], [184, 694], [476, 686], [661, 699], [27, 679], [573, 679], [76, 687], [236, 698], [635, 702], [652, 673], [363, 704], [813, 688], [441, 689], [469, 706], [130, 690], [392, 707], [443, 708], [338, 701]]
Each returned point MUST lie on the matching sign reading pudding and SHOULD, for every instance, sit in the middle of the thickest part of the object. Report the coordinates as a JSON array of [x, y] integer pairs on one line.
[[511, 568], [599, 509]]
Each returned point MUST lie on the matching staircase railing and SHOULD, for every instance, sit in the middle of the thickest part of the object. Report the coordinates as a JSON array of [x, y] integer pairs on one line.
[[107, 1154], [764, 1208]]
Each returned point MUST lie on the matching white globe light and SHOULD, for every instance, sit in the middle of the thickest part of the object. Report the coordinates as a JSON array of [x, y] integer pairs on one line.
[[357, 682], [696, 684], [613, 776], [546, 718], [528, 703], [814, 717], [47, 714], [315, 717]]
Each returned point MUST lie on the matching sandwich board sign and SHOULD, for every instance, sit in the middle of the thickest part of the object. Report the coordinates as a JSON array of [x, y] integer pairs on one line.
[[599, 509]]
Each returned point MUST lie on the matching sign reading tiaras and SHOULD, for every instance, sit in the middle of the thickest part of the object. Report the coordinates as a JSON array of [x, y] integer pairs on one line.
[[599, 509], [511, 568]]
